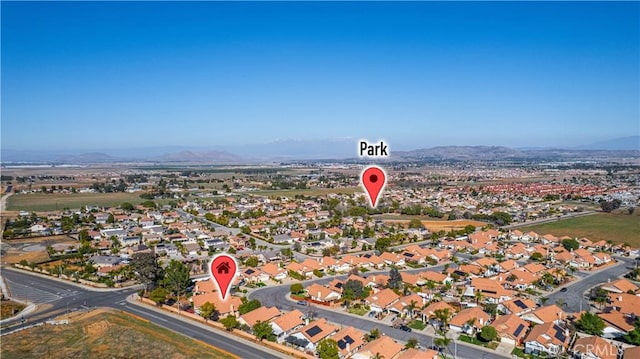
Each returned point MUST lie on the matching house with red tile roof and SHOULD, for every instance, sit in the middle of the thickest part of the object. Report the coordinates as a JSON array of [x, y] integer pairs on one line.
[[382, 300], [287, 324], [384, 347], [548, 314], [594, 348], [262, 314], [349, 340], [620, 286], [314, 332], [617, 324], [511, 329], [322, 294], [548, 338], [469, 320]]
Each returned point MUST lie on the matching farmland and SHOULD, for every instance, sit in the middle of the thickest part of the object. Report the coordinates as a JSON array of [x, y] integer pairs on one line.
[[105, 334], [57, 201], [619, 228]]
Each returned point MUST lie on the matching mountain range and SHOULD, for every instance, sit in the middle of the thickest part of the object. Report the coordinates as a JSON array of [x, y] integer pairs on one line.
[[290, 150]]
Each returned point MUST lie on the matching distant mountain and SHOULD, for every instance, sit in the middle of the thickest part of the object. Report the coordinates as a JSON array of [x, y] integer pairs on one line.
[[200, 157], [298, 149], [616, 144], [483, 153], [91, 157]]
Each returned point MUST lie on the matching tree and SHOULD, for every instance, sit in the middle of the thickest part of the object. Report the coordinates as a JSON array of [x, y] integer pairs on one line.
[[395, 279], [416, 223], [352, 289], [248, 305], [537, 256], [373, 334], [570, 244], [443, 316], [176, 277], [296, 288], [411, 307], [252, 261], [263, 330], [502, 218], [158, 295], [208, 310], [127, 206], [230, 322], [382, 244], [633, 337], [412, 343], [590, 324], [146, 269], [328, 349], [488, 333]]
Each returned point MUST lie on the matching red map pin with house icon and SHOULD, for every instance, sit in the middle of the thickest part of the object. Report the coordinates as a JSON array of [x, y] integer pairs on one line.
[[223, 269]]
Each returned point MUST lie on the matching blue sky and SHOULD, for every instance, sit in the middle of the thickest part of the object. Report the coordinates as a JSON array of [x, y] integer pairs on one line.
[[83, 75]]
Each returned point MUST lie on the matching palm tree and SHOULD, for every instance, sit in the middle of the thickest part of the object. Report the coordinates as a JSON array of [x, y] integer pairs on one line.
[[378, 356], [411, 307], [443, 342], [443, 316], [478, 296]]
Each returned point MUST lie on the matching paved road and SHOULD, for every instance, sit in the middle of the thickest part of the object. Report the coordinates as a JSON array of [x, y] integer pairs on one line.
[[575, 298], [58, 296], [275, 296]]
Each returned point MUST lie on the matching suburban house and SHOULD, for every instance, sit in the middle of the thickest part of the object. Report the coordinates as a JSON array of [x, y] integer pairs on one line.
[[287, 324], [262, 314], [322, 294], [511, 328], [548, 338], [383, 300], [594, 348], [349, 340], [620, 286], [617, 324], [314, 332], [384, 347], [549, 314], [469, 320]]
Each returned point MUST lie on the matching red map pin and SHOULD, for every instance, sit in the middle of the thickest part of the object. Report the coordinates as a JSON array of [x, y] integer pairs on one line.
[[223, 269], [373, 180]]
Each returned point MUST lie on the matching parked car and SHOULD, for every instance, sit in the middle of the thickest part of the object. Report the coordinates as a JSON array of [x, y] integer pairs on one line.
[[302, 302], [563, 289], [405, 328]]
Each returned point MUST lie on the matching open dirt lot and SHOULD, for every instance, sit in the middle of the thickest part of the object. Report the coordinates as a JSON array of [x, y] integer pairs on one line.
[[104, 334]]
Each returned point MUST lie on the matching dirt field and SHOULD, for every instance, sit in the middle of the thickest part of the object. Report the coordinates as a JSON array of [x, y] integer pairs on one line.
[[32, 249], [9, 308], [57, 201], [435, 225], [104, 334]]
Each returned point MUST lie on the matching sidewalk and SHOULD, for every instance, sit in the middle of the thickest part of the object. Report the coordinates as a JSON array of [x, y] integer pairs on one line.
[[69, 282], [30, 307]]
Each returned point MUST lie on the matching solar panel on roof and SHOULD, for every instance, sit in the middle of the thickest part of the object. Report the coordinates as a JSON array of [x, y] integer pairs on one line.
[[249, 271], [410, 255], [339, 285], [520, 304], [560, 334], [342, 344], [313, 331], [348, 339], [518, 330]]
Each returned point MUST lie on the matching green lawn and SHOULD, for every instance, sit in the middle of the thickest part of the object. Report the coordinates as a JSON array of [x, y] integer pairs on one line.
[[57, 201], [476, 341], [417, 324], [619, 228], [358, 310]]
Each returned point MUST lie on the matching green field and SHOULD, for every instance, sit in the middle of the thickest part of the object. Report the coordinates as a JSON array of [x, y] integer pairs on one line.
[[57, 201], [619, 228], [306, 192], [105, 335]]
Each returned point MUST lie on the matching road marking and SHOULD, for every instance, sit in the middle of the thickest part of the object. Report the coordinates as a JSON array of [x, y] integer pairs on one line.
[[145, 313]]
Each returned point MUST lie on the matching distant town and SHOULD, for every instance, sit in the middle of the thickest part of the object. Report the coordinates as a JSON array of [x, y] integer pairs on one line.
[[460, 259]]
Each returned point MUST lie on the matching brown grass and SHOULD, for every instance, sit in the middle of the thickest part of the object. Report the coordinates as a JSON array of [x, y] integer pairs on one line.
[[104, 334]]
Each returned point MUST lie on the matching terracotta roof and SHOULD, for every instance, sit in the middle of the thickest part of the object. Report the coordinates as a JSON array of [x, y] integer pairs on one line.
[[262, 314], [622, 285], [460, 319], [349, 340], [290, 320], [625, 303], [618, 320], [383, 298], [317, 330], [595, 346], [385, 346], [548, 333], [414, 353], [549, 313], [511, 326], [632, 353]]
